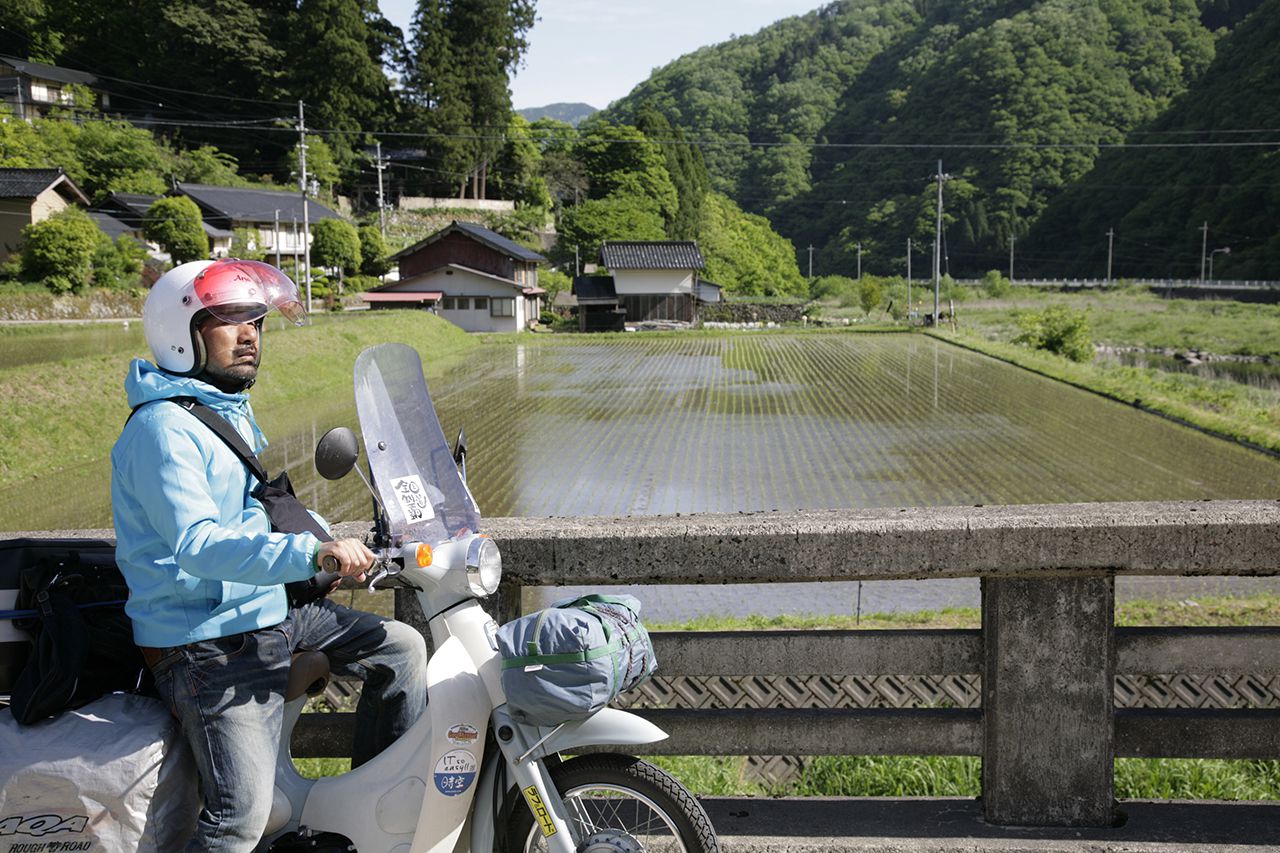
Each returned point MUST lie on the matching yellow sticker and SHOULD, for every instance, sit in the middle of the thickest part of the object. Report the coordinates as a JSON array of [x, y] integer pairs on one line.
[[540, 811]]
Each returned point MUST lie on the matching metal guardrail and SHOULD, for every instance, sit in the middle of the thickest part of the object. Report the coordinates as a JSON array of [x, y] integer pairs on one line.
[[1045, 661]]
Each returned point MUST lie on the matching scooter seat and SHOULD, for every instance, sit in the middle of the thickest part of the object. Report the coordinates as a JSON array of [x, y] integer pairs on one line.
[[308, 674]]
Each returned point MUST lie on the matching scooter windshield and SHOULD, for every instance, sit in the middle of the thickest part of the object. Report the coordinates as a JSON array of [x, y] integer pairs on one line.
[[413, 469]]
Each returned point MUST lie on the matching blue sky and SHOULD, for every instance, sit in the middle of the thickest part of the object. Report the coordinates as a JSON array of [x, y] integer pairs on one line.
[[596, 51]]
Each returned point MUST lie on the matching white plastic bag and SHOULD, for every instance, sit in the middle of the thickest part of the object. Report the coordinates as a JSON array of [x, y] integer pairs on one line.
[[111, 776]]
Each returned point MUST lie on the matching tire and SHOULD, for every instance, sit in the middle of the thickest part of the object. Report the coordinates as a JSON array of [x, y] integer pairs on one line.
[[634, 799]]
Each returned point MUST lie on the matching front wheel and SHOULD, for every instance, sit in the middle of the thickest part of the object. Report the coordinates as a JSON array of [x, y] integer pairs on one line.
[[619, 804]]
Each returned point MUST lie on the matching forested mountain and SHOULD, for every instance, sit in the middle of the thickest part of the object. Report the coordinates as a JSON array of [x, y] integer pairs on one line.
[[833, 123], [1208, 168], [571, 114]]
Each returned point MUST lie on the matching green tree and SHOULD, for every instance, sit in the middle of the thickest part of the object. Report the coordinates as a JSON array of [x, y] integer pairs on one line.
[[870, 293], [517, 172], [745, 255], [118, 265], [59, 250], [175, 224], [322, 167], [336, 243], [373, 251], [686, 168], [618, 217], [334, 72], [620, 159]]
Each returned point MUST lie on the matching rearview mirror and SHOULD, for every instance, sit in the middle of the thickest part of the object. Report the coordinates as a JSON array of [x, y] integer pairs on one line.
[[336, 453]]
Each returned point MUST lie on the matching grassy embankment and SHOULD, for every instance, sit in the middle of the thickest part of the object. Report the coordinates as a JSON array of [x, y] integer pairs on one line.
[[1130, 317], [64, 413], [960, 776]]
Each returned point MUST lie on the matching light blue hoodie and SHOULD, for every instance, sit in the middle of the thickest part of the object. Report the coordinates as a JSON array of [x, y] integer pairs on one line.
[[195, 547]]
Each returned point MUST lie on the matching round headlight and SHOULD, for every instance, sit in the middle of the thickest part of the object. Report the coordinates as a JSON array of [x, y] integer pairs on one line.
[[484, 566]]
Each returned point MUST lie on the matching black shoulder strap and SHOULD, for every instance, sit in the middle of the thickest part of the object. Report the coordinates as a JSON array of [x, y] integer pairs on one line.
[[221, 429], [226, 432]]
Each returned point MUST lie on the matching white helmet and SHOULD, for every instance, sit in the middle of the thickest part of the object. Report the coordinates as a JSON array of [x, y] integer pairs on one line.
[[230, 289]]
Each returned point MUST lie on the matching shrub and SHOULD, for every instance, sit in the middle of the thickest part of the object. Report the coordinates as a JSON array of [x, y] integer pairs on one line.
[[1057, 330], [996, 285], [832, 287], [59, 250]]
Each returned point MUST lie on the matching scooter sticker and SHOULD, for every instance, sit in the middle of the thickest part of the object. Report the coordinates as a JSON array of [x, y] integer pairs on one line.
[[413, 498], [462, 734], [455, 771], [539, 810]]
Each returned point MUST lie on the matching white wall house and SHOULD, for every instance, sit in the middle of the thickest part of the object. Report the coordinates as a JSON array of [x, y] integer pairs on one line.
[[654, 279], [471, 276]]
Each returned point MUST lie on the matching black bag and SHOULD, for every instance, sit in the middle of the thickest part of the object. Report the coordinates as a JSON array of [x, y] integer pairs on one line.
[[82, 641]]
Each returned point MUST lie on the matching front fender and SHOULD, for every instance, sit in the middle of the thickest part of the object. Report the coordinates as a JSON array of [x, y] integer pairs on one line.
[[607, 727]]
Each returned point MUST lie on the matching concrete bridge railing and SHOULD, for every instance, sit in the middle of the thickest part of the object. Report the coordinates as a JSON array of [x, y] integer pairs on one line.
[[1047, 654]]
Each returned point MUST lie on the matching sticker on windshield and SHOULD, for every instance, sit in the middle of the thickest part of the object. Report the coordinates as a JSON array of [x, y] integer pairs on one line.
[[413, 498], [455, 771]]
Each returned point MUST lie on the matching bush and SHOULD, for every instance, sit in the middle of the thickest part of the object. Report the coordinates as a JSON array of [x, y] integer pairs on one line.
[[996, 285], [832, 287], [59, 250], [118, 265], [1057, 330]]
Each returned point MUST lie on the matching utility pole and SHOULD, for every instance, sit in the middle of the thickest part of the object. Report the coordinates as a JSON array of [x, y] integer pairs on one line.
[[306, 213], [1111, 241], [937, 251], [859, 261], [810, 262], [908, 281], [276, 238], [1011, 239], [382, 207], [1204, 244]]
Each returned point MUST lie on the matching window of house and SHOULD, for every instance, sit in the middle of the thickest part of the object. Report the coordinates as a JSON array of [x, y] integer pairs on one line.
[[448, 303], [502, 307], [481, 303]]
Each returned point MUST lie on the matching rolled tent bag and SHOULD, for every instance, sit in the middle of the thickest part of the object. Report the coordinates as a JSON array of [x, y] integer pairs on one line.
[[113, 775], [570, 660]]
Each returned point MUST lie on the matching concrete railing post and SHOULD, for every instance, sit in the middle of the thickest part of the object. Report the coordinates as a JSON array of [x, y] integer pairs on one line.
[[1047, 681]]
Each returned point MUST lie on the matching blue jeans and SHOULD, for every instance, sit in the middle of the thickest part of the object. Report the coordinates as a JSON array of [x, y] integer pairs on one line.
[[228, 695]]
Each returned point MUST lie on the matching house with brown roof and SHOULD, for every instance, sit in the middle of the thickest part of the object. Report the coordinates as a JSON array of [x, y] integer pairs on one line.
[[471, 276], [28, 196], [654, 279]]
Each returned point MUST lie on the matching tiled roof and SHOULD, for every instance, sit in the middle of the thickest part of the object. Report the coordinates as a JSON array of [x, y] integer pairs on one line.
[[253, 205], [110, 225], [651, 255], [48, 72], [490, 238], [29, 183]]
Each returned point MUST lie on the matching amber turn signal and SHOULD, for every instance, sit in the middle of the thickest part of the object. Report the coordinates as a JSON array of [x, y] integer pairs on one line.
[[424, 555]]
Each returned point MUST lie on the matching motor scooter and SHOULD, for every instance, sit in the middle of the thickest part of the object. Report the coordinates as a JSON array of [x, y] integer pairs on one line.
[[466, 776]]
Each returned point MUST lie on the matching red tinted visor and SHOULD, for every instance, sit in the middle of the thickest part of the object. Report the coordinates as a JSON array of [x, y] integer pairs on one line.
[[237, 291]]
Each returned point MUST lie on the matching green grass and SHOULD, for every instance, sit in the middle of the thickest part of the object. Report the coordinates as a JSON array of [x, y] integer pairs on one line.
[[64, 413]]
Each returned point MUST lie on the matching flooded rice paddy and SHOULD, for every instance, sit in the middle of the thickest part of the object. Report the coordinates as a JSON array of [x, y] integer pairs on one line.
[[700, 423]]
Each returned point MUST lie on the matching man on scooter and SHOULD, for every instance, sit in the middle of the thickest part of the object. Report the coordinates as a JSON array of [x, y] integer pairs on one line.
[[207, 568]]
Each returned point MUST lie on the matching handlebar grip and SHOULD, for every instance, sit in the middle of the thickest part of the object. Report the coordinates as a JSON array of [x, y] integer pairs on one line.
[[329, 564]]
